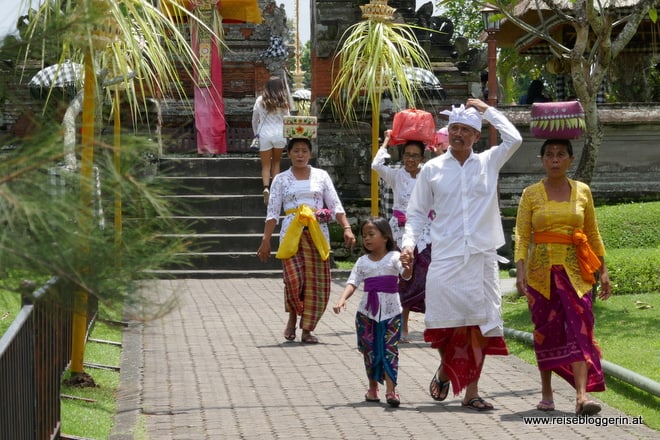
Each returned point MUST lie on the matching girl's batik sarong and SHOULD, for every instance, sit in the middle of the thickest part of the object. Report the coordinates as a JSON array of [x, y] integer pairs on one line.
[[564, 331], [306, 283], [378, 343], [413, 291], [464, 350]]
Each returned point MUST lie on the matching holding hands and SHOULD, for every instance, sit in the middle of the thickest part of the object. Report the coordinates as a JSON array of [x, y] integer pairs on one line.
[[407, 258]]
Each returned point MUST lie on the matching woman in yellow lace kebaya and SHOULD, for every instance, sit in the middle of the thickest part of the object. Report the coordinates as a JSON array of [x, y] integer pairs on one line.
[[309, 200], [558, 249]]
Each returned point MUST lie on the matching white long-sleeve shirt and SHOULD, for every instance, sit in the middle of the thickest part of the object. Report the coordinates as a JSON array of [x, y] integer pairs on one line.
[[287, 193], [464, 198], [402, 184]]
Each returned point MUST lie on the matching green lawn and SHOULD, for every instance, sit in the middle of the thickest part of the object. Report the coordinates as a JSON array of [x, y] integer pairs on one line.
[[626, 330]]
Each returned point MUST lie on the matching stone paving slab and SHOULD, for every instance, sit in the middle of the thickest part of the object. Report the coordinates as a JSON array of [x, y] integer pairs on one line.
[[217, 367]]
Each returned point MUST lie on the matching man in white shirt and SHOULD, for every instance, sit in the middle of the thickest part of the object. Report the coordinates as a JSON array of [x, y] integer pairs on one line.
[[463, 299]]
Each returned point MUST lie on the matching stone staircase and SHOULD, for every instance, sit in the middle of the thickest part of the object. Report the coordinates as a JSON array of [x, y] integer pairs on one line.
[[227, 214], [226, 211]]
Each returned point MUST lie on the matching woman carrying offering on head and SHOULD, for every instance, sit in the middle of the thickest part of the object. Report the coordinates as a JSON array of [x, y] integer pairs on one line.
[[309, 200], [558, 250]]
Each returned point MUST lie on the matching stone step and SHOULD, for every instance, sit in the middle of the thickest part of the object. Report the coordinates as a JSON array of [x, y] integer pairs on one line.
[[195, 185], [209, 166], [203, 205], [231, 261], [191, 166], [224, 224], [237, 261], [338, 275], [220, 204], [223, 243]]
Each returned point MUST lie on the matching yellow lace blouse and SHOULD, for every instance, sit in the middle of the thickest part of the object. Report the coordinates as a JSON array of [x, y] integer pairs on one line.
[[537, 213]]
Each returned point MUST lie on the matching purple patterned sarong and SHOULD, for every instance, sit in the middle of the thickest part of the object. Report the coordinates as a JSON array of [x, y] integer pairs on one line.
[[413, 291], [378, 343], [564, 331]]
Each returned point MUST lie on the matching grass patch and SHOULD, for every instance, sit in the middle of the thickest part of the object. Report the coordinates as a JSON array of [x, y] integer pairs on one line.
[[630, 225], [10, 304], [345, 264], [11, 284], [623, 326], [94, 419]]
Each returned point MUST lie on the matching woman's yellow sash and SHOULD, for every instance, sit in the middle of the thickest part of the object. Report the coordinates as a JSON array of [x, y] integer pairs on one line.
[[304, 218]]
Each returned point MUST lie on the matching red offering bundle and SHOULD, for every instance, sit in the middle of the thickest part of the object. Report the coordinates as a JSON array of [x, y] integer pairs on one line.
[[413, 125]]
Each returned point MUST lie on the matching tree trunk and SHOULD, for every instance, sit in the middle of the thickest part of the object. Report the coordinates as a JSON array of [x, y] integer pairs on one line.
[[593, 138]]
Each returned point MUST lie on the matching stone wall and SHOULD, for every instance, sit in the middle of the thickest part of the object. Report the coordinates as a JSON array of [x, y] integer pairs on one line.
[[628, 166]]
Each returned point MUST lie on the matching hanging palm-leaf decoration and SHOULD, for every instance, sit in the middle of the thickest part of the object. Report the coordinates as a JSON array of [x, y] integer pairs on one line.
[[376, 55]]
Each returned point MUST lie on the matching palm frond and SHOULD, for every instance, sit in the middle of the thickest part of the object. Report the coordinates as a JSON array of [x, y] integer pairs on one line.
[[375, 56], [129, 38]]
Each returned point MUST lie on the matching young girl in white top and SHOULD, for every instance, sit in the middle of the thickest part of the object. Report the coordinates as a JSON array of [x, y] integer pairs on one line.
[[378, 319]]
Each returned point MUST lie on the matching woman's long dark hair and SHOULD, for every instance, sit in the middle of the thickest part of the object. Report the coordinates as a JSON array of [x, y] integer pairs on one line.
[[275, 95]]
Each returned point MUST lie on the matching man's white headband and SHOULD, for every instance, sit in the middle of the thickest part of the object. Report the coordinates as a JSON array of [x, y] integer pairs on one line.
[[466, 116]]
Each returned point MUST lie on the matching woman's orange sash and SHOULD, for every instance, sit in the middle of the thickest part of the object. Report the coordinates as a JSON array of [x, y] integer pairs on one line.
[[589, 261]]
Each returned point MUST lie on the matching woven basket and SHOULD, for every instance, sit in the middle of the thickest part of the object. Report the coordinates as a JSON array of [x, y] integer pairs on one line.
[[557, 120], [300, 127]]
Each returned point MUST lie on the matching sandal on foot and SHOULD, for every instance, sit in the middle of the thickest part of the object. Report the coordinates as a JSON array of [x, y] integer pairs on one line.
[[438, 389], [393, 399], [587, 408], [477, 404], [546, 405], [309, 339], [372, 396], [290, 333]]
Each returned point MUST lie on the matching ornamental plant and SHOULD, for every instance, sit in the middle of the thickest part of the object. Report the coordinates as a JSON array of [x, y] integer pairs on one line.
[[377, 55], [136, 46]]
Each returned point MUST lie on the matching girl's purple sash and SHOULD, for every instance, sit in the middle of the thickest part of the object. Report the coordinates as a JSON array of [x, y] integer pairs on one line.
[[373, 285]]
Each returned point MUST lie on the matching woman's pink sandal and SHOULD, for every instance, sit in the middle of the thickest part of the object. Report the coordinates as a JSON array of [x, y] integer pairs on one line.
[[372, 395], [393, 399], [546, 405]]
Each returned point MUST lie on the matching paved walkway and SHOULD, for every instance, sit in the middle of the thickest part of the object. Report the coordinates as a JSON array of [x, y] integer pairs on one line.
[[217, 367]]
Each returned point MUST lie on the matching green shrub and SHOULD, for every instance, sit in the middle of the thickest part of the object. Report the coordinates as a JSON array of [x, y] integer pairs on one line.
[[634, 270], [630, 225], [631, 233]]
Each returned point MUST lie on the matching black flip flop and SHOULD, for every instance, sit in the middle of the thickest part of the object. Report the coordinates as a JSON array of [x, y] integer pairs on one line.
[[443, 388], [472, 404]]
